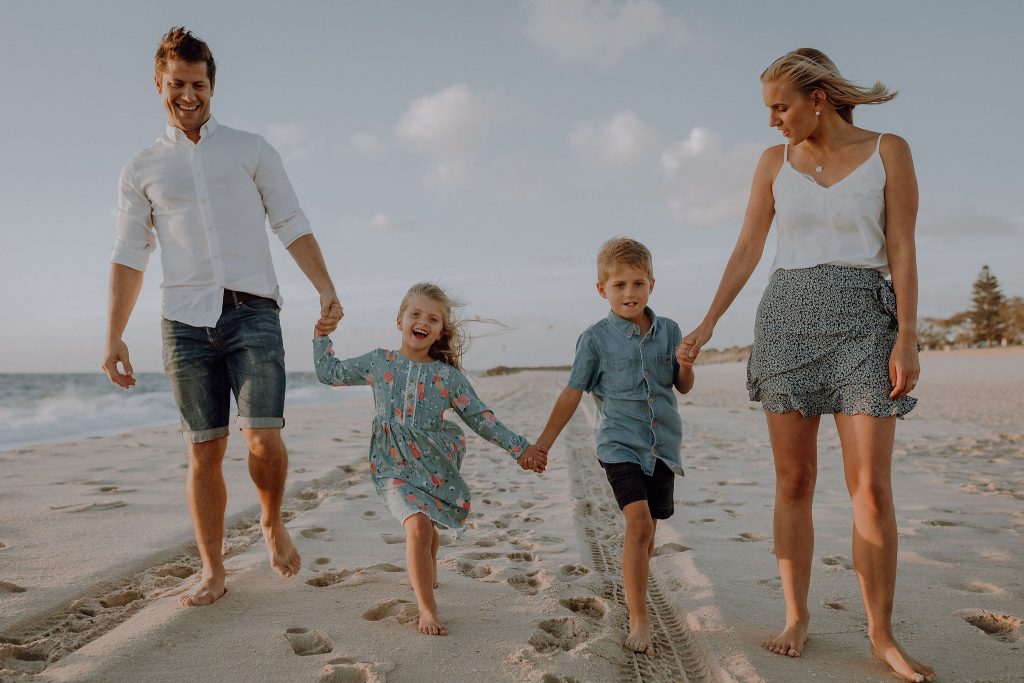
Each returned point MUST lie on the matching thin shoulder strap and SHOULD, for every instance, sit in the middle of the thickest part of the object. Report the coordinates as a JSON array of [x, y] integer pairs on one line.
[[878, 143], [785, 153]]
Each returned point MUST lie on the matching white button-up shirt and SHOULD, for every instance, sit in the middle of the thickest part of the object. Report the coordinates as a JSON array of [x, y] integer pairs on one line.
[[207, 205]]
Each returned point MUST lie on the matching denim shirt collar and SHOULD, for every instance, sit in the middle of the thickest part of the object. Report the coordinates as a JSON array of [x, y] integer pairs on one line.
[[627, 328]]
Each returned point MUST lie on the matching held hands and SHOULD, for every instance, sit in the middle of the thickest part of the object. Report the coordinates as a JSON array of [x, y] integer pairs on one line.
[[689, 348], [904, 367], [331, 314], [533, 459], [117, 352]]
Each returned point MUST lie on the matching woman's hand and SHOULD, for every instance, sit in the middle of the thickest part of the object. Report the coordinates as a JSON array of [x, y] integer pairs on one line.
[[904, 367], [692, 343]]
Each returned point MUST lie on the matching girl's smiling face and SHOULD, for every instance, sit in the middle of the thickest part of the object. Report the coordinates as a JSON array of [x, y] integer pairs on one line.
[[421, 324]]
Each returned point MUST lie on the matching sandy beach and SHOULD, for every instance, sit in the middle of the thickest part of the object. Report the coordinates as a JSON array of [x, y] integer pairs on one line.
[[95, 547]]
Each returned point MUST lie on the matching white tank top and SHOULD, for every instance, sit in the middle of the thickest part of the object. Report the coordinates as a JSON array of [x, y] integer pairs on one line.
[[841, 225]]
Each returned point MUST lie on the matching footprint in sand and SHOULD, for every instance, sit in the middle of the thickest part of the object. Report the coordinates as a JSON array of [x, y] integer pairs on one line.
[[750, 536], [312, 532], [589, 606], [90, 507], [571, 572], [566, 633], [348, 670], [352, 577], [520, 557], [838, 606], [120, 599], [670, 549], [485, 543], [774, 583], [525, 583], [941, 522], [976, 587], [1004, 627], [322, 560], [393, 539], [305, 642], [555, 678], [370, 513], [837, 561], [178, 571], [400, 611], [8, 587]]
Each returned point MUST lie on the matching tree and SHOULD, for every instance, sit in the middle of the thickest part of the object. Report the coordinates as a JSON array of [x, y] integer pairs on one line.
[[1012, 313], [986, 316]]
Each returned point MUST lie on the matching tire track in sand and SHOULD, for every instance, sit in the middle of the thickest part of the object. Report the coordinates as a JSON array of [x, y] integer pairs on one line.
[[677, 657]]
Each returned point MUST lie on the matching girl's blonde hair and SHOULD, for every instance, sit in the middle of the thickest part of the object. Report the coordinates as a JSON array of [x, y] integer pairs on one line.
[[809, 70], [454, 340]]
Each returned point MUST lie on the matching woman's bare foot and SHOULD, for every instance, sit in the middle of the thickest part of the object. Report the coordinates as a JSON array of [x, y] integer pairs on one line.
[[902, 664], [790, 642], [429, 624], [639, 638], [284, 558], [209, 591]]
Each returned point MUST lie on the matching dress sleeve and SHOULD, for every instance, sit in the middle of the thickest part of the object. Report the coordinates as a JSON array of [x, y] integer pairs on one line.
[[586, 365], [349, 372], [481, 420]]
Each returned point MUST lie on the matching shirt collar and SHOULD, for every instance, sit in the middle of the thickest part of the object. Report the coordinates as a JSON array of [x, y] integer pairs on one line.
[[178, 135], [627, 328]]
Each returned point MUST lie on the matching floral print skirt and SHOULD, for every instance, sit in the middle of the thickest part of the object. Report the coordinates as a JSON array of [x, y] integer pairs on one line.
[[822, 341]]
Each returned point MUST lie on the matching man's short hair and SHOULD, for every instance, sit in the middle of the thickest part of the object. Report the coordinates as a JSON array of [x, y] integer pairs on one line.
[[626, 251], [180, 45]]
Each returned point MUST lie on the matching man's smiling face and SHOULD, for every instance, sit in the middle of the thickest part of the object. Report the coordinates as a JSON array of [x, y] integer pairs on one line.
[[186, 91]]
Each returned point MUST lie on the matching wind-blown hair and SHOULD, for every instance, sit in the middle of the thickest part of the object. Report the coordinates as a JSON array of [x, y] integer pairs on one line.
[[809, 70], [454, 340], [626, 251], [180, 45]]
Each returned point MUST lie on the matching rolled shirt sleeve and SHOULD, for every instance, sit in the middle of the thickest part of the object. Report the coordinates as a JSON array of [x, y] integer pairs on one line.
[[136, 238], [287, 220]]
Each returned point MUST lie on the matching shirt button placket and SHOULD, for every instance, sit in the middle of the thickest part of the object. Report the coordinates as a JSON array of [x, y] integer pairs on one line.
[[203, 194]]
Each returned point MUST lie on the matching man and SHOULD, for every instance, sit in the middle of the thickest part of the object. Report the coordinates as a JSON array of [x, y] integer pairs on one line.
[[204, 192]]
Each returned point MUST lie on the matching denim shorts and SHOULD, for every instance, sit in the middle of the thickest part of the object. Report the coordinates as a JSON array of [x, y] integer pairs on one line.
[[243, 355], [630, 484]]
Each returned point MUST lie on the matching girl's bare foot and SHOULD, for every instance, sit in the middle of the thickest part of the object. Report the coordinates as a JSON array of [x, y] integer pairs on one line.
[[208, 592], [639, 638], [902, 664], [429, 624], [790, 642]]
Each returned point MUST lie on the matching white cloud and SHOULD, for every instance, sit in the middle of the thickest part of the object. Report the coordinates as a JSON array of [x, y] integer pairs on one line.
[[368, 145], [383, 222], [291, 140], [599, 30], [706, 186], [448, 127], [622, 139]]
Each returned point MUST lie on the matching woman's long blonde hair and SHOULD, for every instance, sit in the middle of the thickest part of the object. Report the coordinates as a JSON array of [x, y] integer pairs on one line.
[[454, 340], [809, 70]]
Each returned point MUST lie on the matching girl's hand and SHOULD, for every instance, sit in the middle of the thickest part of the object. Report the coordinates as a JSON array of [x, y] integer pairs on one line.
[[904, 367], [692, 343], [533, 459]]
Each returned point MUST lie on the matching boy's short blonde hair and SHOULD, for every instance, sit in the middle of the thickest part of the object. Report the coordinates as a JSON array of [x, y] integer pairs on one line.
[[626, 251]]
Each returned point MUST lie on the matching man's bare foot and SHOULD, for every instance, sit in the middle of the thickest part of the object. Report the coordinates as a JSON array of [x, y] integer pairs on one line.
[[209, 591], [284, 558], [429, 624], [639, 638], [902, 664], [790, 642]]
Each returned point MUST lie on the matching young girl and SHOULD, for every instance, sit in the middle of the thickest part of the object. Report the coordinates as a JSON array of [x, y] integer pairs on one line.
[[415, 454]]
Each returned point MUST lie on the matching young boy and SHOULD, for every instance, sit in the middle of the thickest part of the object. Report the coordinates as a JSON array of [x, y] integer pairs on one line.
[[628, 362]]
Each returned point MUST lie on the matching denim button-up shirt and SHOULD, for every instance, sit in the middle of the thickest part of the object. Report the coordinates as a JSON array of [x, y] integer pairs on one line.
[[632, 380]]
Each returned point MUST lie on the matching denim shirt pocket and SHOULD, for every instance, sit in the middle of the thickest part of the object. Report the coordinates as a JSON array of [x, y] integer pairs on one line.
[[618, 374], [663, 370]]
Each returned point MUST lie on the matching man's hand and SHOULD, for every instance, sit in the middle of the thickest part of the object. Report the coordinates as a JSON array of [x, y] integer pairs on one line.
[[331, 313], [117, 352]]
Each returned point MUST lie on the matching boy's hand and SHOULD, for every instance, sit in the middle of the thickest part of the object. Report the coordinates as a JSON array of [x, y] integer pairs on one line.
[[533, 459], [692, 343]]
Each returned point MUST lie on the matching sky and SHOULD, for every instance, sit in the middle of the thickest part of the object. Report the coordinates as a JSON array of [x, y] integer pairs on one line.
[[490, 147]]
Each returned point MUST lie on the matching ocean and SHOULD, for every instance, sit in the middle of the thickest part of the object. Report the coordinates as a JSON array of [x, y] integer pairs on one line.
[[46, 407]]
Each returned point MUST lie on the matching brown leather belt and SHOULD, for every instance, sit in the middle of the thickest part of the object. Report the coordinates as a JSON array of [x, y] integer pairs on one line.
[[233, 298]]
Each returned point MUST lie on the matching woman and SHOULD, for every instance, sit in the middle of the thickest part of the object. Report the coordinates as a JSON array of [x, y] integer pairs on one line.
[[832, 335]]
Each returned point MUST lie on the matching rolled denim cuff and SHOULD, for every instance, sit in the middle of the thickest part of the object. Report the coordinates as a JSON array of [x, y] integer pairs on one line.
[[243, 422], [204, 434]]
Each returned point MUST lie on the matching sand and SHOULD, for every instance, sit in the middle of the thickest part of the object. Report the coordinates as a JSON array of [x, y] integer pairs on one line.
[[95, 547]]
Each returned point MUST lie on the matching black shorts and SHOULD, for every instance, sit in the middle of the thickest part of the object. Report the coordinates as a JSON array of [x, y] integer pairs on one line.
[[630, 484]]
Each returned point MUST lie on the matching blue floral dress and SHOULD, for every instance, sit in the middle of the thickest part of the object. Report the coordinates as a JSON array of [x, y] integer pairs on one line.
[[415, 454]]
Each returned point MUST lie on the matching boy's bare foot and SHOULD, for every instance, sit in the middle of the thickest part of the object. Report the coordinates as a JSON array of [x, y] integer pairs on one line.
[[902, 664], [429, 624], [209, 591], [284, 558], [639, 638], [790, 642]]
